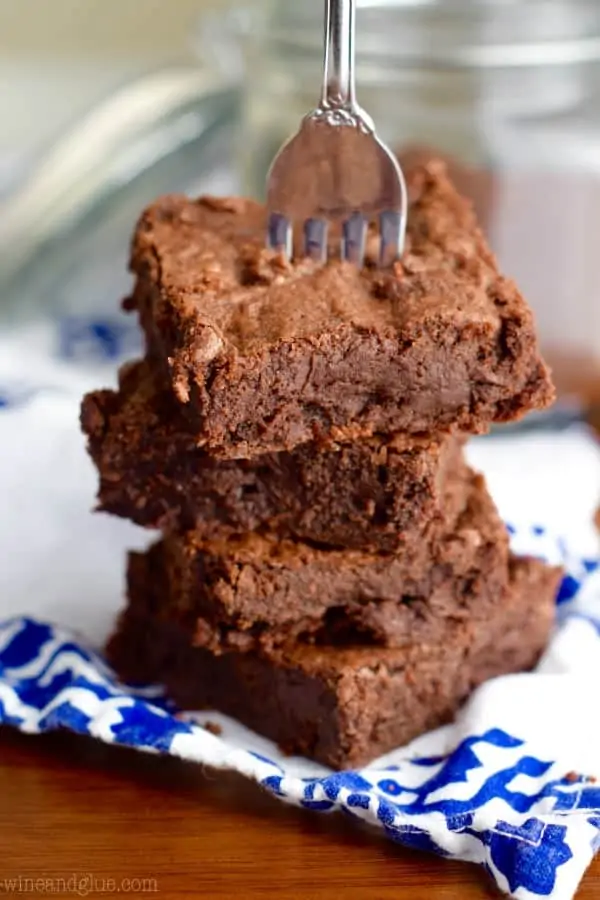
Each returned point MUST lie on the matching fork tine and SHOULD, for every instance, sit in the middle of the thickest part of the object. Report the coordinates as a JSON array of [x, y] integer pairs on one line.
[[354, 235], [279, 234], [315, 239], [391, 224]]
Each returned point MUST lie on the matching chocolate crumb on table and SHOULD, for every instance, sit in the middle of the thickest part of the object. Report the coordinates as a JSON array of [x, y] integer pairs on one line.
[[213, 728], [265, 355]]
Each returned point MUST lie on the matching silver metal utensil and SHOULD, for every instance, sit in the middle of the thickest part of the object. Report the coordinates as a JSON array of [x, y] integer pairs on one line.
[[335, 170]]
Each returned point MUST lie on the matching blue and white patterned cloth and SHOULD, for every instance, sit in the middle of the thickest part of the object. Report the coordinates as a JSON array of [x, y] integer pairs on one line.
[[510, 785]]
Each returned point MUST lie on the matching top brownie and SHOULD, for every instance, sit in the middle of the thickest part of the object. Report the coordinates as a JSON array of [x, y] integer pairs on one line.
[[266, 354]]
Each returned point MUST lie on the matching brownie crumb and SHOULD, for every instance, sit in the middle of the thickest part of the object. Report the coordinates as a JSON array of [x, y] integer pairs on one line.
[[213, 728], [573, 777]]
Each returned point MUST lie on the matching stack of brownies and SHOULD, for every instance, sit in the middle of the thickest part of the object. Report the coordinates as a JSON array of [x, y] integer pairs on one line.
[[331, 572]]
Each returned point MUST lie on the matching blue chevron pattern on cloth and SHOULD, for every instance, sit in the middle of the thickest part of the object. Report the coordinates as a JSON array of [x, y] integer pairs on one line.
[[488, 796]]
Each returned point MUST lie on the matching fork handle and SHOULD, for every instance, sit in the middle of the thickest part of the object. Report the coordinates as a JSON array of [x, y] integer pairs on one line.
[[338, 76]]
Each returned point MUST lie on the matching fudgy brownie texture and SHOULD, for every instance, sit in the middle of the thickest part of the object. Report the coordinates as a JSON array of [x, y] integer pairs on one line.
[[266, 354], [379, 493], [251, 592], [340, 706]]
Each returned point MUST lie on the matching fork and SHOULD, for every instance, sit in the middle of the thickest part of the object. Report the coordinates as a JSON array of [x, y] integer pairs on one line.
[[336, 170]]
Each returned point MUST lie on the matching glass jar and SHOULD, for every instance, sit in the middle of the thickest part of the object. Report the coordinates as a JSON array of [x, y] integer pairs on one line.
[[509, 92]]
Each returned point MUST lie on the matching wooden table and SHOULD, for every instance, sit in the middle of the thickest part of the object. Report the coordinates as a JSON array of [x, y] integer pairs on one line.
[[85, 817]]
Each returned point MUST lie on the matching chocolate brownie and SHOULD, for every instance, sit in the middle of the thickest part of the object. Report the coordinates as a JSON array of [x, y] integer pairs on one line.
[[341, 706], [379, 493], [266, 354], [254, 591]]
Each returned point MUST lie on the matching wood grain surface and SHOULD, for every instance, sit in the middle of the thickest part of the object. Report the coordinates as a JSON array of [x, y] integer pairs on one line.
[[78, 818]]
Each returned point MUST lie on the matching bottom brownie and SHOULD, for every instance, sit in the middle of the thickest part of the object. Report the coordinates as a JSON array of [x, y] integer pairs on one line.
[[342, 706]]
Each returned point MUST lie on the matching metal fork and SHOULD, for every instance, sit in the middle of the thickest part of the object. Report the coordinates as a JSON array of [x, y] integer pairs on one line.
[[335, 170]]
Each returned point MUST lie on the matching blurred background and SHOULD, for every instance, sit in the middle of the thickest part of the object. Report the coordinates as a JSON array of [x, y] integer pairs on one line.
[[58, 58], [106, 103]]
